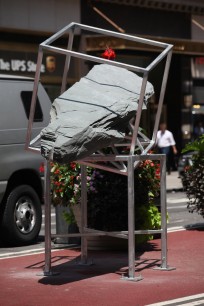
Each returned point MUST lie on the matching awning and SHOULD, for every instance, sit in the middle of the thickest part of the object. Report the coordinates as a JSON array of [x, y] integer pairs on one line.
[[181, 46], [189, 6]]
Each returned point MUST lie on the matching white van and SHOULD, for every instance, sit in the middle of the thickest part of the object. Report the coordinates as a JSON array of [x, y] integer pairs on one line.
[[21, 189]]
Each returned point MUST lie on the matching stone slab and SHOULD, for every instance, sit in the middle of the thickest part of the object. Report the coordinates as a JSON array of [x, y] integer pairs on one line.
[[92, 114]]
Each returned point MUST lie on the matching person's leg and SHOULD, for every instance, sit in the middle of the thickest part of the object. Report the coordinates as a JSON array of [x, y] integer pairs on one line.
[[166, 150], [168, 165]]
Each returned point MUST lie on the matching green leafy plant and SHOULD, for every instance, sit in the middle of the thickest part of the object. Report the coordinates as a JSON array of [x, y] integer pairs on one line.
[[197, 146], [193, 179]]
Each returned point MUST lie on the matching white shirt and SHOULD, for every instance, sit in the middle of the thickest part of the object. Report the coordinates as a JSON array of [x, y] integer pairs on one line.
[[165, 139]]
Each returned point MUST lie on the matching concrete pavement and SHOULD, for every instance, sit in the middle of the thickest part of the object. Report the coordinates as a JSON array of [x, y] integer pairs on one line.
[[22, 282], [173, 182]]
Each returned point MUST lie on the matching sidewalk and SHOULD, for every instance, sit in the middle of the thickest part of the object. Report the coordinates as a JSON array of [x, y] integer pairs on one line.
[[100, 284], [173, 182], [22, 282]]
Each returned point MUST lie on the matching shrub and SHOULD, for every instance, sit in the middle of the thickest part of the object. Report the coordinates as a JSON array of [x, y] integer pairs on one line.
[[193, 179]]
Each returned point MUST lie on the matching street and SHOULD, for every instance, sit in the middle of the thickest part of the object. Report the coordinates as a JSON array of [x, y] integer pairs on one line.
[[178, 214], [178, 218]]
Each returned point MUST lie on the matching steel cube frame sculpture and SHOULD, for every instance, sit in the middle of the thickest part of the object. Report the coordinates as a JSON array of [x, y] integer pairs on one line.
[[115, 161]]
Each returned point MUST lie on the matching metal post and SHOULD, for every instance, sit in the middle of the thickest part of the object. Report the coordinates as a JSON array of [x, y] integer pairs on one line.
[[164, 265], [84, 252], [131, 223], [163, 212], [47, 268]]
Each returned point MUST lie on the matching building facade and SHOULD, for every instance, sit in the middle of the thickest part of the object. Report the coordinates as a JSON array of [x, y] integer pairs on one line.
[[24, 24], [177, 22]]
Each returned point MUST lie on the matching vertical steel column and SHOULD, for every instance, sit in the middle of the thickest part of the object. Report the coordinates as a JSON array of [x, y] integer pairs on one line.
[[131, 221], [164, 266], [84, 247], [47, 268], [164, 250], [163, 212]]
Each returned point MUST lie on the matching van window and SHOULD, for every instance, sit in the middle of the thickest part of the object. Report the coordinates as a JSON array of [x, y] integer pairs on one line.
[[26, 97]]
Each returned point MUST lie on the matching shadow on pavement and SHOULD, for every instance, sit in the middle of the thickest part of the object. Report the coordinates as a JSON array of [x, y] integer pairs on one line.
[[68, 269]]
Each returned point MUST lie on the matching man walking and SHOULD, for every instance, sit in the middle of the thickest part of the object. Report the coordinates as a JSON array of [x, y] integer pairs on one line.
[[165, 141]]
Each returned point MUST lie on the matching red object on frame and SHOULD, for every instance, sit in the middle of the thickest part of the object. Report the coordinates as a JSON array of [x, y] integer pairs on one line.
[[109, 54]]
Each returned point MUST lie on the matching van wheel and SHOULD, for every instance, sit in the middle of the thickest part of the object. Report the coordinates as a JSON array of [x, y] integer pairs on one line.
[[22, 216]]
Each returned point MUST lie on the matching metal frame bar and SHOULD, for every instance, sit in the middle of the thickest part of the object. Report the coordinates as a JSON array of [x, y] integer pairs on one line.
[[130, 234], [164, 50], [123, 164], [47, 268], [84, 245]]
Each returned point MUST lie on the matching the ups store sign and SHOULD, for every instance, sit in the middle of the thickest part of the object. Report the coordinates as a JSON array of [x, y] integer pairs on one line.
[[24, 63]]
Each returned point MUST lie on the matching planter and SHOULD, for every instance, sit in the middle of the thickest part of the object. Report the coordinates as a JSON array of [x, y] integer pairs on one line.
[[62, 227], [100, 242]]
